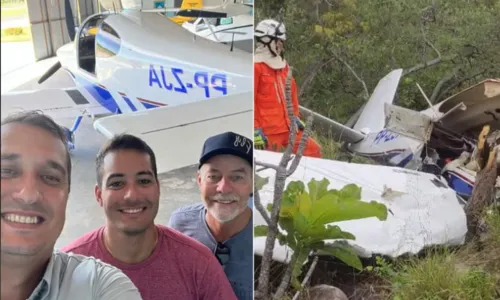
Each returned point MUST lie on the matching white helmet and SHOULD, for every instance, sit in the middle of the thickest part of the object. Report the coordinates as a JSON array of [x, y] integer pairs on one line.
[[270, 28]]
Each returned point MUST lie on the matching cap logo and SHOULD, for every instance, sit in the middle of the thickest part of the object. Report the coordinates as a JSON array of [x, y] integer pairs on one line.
[[240, 141]]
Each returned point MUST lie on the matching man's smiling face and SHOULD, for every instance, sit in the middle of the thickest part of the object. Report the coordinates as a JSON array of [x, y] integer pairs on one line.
[[34, 190]]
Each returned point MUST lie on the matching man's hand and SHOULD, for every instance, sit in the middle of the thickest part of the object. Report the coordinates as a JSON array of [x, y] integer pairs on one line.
[[300, 124], [259, 139]]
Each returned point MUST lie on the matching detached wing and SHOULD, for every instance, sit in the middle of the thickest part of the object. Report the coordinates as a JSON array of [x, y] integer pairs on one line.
[[337, 131]]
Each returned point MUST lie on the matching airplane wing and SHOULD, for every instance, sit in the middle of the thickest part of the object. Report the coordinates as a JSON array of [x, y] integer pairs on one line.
[[424, 211], [57, 103], [218, 11], [176, 134], [328, 126], [228, 10]]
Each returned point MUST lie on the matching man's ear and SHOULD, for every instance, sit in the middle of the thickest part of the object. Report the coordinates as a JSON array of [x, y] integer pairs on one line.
[[198, 178], [98, 193]]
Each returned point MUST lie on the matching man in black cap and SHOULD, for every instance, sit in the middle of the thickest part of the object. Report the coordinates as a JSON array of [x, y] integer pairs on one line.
[[223, 222]]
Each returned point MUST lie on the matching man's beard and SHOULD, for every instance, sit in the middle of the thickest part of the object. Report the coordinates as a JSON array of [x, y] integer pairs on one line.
[[225, 215]]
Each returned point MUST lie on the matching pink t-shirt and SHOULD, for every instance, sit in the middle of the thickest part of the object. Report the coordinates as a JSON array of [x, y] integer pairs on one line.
[[179, 268]]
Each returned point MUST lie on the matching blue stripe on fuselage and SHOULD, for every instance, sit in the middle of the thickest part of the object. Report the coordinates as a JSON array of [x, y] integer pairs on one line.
[[105, 98], [102, 96], [132, 107], [148, 105]]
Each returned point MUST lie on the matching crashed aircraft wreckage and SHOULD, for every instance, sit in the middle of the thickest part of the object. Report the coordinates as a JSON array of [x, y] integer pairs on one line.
[[428, 140], [429, 171]]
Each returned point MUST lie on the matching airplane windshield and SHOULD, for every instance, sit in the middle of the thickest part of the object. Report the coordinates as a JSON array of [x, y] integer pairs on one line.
[[91, 27]]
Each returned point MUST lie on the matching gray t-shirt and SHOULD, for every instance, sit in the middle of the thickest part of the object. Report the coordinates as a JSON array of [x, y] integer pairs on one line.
[[77, 277], [190, 220]]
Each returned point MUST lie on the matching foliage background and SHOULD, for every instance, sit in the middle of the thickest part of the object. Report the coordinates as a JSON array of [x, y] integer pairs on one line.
[[325, 38]]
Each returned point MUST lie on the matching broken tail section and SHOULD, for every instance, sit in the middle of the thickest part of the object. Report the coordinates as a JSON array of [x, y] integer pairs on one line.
[[372, 118]]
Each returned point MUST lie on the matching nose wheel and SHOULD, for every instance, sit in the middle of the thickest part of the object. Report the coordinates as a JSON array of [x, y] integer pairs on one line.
[[70, 133], [70, 138]]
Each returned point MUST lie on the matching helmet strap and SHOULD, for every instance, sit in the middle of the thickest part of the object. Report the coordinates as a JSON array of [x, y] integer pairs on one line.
[[268, 44]]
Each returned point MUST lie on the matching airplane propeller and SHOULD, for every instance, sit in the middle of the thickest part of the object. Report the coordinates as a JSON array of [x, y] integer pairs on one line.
[[70, 24]]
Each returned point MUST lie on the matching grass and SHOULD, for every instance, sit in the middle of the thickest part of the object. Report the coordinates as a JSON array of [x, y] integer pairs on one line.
[[13, 11], [471, 272], [331, 149], [16, 34]]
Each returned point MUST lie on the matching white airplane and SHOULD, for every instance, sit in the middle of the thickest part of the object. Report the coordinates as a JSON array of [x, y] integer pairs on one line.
[[236, 31], [425, 140], [137, 61]]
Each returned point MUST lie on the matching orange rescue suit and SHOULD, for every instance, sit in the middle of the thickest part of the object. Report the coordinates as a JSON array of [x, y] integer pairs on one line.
[[270, 113]]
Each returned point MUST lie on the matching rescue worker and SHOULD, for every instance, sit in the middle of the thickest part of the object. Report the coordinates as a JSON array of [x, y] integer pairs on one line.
[[271, 121]]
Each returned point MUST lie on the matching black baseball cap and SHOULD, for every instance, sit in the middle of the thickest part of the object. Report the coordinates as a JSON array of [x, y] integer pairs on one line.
[[227, 143]]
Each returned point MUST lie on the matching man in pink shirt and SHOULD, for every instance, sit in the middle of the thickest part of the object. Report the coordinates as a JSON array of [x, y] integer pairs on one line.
[[161, 262]]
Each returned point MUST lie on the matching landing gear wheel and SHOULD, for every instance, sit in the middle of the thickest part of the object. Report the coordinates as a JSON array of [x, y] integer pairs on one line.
[[70, 138]]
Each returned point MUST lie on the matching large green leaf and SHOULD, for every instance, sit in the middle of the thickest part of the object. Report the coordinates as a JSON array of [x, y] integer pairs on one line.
[[300, 223], [288, 200], [330, 232], [287, 225], [326, 211], [304, 204], [343, 252], [318, 189], [350, 192], [292, 189], [260, 230]]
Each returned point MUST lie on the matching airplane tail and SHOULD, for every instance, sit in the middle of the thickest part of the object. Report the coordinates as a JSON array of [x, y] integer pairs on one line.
[[372, 118]]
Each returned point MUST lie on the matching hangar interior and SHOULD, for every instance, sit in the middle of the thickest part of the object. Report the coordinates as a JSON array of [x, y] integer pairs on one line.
[[49, 26]]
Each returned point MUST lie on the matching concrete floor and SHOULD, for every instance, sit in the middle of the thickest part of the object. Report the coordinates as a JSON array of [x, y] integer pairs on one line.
[[16, 55], [84, 214]]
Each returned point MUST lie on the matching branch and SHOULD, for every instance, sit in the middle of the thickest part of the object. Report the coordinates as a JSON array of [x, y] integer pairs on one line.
[[267, 165], [308, 275], [421, 66], [310, 76], [440, 84], [260, 207], [279, 185], [366, 94], [285, 280], [302, 145], [429, 63]]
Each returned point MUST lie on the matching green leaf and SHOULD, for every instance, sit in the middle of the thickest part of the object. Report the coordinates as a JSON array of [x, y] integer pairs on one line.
[[317, 189], [300, 223], [269, 207], [304, 204], [293, 189], [343, 252], [287, 225], [335, 211], [330, 232], [350, 192], [260, 181], [289, 200], [260, 230]]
